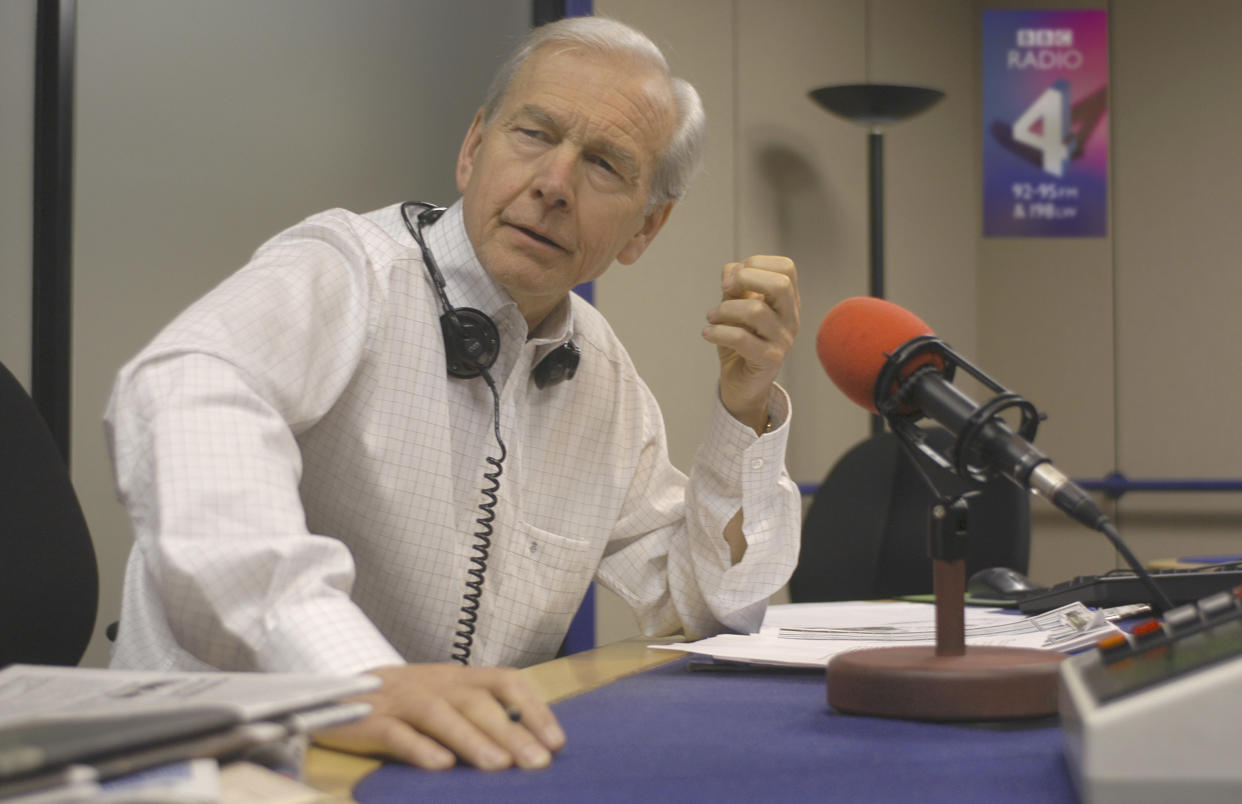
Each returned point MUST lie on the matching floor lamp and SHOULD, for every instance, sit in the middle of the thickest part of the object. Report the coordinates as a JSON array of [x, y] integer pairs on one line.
[[875, 107]]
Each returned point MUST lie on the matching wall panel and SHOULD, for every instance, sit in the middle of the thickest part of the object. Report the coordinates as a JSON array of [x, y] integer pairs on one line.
[[1178, 189]]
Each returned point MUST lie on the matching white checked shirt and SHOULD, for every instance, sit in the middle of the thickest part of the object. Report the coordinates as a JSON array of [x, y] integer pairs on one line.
[[304, 478]]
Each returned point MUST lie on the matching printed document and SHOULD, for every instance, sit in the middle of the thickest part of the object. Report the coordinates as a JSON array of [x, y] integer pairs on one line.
[[810, 634]]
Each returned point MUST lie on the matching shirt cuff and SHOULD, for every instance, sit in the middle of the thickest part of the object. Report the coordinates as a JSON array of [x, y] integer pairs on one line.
[[735, 458], [324, 635]]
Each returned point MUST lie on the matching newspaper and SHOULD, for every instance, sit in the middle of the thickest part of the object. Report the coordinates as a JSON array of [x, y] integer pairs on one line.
[[30, 693], [123, 721]]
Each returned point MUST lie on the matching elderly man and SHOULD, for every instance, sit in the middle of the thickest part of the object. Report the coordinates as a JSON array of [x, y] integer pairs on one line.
[[396, 439]]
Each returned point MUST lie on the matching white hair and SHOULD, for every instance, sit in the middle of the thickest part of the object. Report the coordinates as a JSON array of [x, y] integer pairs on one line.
[[684, 153]]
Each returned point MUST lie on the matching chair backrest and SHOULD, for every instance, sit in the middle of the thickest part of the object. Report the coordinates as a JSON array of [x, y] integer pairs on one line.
[[865, 534], [49, 580]]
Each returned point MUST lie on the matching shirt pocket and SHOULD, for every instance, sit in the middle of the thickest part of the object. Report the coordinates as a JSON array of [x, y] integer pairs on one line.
[[541, 580]]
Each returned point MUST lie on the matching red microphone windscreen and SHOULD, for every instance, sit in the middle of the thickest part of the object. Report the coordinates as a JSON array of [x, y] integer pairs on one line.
[[855, 338]]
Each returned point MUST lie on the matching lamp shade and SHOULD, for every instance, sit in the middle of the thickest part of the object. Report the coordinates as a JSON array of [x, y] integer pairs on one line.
[[874, 105]]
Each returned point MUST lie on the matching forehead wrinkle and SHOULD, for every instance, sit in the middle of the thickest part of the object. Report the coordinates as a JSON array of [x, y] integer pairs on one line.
[[643, 113]]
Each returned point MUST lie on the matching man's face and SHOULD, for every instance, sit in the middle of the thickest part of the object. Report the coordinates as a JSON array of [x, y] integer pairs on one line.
[[555, 187]]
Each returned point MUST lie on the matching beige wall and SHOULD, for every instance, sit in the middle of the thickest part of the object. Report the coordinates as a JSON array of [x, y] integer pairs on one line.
[[783, 176], [1178, 189], [1128, 341]]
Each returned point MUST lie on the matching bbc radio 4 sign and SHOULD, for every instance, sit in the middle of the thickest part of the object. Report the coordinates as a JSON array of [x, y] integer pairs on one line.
[[1045, 123]]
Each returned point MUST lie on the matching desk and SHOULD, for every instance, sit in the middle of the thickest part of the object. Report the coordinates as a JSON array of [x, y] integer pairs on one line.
[[669, 734], [336, 773]]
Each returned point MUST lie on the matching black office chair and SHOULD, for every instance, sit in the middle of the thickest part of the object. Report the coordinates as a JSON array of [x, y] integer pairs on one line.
[[49, 580], [865, 534]]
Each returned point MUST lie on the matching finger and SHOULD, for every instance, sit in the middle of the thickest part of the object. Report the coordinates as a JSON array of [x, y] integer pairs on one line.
[[751, 314], [754, 268], [775, 278], [515, 692], [777, 289], [775, 264], [465, 727], [494, 720], [389, 737], [756, 351]]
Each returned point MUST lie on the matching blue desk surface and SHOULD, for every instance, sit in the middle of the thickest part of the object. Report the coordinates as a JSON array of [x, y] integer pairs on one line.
[[671, 734]]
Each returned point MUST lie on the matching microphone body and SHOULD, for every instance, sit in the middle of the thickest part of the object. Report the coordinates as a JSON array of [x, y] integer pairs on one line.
[[888, 360], [1000, 448]]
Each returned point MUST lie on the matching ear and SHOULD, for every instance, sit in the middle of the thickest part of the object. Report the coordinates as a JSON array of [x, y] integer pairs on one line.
[[469, 147], [652, 224]]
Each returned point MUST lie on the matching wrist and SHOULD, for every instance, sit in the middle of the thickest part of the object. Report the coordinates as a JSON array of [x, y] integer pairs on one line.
[[762, 414], [756, 418]]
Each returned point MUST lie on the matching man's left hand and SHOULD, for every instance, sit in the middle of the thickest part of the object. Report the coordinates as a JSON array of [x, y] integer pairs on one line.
[[753, 329]]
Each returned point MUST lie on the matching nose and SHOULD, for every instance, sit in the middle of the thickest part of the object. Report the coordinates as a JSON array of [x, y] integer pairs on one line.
[[554, 178]]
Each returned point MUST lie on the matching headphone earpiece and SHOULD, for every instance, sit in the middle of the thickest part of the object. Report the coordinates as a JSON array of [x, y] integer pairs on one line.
[[471, 342], [560, 364]]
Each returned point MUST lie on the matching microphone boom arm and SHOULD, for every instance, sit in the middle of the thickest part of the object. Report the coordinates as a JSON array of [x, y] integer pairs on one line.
[[894, 387]]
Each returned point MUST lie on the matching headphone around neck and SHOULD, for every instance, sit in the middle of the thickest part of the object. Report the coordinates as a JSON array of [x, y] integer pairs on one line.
[[471, 340]]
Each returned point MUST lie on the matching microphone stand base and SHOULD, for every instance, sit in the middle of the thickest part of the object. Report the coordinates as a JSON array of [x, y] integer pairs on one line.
[[914, 683]]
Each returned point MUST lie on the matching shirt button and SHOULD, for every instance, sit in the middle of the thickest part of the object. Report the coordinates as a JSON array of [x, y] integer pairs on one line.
[[757, 463], [534, 547]]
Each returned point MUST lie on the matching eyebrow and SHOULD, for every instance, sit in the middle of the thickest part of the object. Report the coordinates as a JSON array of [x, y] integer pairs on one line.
[[620, 158]]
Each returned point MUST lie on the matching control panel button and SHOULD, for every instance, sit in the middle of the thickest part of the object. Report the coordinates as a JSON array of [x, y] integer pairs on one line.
[[1147, 633], [1182, 618], [1114, 647], [1219, 605]]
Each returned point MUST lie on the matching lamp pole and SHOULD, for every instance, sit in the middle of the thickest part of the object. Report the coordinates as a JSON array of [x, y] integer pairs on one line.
[[875, 107]]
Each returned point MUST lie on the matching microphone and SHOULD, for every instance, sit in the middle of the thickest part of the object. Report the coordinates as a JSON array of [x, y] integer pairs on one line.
[[887, 360]]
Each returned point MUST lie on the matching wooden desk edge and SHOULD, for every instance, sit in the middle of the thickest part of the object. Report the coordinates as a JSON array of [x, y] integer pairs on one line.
[[591, 669], [335, 773], [1177, 563]]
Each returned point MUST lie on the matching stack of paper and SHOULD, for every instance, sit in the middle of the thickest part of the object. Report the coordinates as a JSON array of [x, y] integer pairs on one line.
[[70, 728], [810, 634]]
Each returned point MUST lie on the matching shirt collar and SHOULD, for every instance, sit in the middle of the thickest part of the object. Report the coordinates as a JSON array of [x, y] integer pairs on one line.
[[468, 284]]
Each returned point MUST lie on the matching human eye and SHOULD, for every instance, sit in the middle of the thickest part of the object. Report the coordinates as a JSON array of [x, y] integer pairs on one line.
[[603, 163], [531, 133]]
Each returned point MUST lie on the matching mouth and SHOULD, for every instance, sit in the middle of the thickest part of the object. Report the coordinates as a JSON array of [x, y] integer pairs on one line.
[[537, 236]]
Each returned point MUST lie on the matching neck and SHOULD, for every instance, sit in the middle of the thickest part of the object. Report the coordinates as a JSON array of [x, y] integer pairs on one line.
[[544, 317]]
